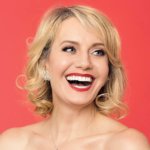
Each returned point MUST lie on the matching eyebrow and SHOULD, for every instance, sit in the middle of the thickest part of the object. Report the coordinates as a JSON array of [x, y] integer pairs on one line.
[[76, 43]]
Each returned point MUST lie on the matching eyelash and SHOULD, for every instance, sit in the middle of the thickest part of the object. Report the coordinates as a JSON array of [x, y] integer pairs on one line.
[[65, 49], [71, 49], [100, 51]]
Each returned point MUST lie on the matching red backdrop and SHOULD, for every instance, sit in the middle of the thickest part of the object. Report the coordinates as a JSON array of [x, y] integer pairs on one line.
[[18, 22]]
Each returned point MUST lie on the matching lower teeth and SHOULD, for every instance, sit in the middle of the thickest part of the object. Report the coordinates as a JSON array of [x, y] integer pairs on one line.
[[81, 86]]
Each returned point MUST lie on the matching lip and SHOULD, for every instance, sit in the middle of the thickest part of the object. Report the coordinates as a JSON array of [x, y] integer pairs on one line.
[[79, 89], [83, 75]]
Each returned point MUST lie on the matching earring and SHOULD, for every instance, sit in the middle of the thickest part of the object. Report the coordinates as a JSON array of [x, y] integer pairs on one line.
[[45, 74]]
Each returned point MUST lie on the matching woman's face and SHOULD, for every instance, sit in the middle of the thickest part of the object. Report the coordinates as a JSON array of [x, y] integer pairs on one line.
[[77, 64]]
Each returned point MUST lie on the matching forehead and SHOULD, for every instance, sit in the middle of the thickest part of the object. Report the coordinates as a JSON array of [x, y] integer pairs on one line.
[[73, 29]]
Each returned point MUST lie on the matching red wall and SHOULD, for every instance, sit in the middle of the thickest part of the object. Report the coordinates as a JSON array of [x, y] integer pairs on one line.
[[18, 22]]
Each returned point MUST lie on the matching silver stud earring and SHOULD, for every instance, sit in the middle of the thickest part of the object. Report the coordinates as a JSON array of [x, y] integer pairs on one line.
[[45, 74]]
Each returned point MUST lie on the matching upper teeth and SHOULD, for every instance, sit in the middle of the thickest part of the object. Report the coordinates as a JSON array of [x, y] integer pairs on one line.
[[79, 78]]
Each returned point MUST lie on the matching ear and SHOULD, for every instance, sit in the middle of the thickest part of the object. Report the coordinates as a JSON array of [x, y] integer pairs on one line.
[[46, 64]]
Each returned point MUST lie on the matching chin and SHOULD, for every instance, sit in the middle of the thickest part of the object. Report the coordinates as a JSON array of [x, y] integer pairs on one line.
[[79, 102]]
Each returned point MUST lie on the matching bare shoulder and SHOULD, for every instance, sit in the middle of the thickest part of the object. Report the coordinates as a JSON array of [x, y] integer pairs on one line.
[[15, 138], [19, 138], [128, 139]]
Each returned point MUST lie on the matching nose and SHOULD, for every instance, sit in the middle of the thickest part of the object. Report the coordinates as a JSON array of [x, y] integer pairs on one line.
[[83, 61]]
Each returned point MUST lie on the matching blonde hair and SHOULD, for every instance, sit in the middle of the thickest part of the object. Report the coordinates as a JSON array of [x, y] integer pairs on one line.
[[109, 100]]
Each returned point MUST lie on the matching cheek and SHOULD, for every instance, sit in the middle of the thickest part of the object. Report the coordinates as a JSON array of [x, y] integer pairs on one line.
[[58, 65], [102, 67], [104, 73]]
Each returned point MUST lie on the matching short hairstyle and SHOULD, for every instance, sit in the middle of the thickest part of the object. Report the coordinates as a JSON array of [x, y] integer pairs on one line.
[[109, 100]]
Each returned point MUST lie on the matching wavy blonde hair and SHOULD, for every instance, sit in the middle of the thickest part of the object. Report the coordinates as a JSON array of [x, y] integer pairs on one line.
[[109, 99]]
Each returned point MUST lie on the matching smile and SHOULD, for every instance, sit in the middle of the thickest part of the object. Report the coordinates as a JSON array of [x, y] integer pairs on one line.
[[80, 82]]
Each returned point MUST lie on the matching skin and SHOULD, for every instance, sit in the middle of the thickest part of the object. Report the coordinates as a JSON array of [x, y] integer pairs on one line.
[[74, 123]]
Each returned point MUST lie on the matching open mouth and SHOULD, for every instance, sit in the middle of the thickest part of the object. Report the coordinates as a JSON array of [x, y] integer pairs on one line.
[[80, 82]]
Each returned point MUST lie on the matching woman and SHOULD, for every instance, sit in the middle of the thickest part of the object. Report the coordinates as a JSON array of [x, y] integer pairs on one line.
[[75, 77]]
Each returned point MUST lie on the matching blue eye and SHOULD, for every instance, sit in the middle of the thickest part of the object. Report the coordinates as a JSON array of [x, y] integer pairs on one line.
[[69, 49], [99, 52]]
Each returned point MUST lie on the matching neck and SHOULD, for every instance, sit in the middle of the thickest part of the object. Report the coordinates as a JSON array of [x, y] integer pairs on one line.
[[66, 124]]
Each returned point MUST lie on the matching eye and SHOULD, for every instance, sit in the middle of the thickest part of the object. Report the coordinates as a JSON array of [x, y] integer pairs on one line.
[[69, 49], [99, 52]]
